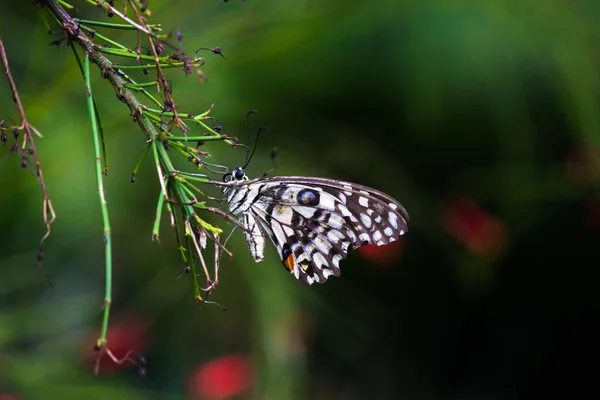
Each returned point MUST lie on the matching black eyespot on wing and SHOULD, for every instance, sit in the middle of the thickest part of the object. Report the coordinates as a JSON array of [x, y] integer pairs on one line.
[[286, 251], [308, 197], [317, 214], [294, 245], [297, 219], [287, 257]]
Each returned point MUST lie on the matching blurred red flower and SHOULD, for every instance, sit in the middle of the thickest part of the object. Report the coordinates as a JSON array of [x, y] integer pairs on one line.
[[222, 378], [126, 333], [479, 231], [9, 396], [384, 256]]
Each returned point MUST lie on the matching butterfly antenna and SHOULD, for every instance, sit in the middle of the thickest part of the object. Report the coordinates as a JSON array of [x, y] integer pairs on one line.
[[249, 154], [247, 160], [262, 128], [273, 155]]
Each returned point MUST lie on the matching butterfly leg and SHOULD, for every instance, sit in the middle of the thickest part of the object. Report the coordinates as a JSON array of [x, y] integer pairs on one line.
[[199, 246], [227, 217], [212, 284]]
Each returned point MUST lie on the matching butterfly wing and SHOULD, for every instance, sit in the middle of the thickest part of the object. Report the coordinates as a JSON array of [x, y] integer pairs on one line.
[[309, 249], [314, 222], [255, 236]]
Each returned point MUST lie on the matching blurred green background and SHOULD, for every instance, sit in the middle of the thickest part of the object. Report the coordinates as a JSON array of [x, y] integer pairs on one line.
[[482, 118]]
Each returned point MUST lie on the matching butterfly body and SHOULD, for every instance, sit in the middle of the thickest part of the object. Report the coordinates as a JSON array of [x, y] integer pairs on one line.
[[313, 222]]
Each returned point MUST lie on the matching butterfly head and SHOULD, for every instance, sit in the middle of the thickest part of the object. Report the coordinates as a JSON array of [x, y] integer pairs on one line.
[[238, 175]]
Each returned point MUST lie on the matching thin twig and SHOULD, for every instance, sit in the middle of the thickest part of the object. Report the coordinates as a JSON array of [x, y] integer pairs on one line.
[[161, 81], [199, 253], [48, 209]]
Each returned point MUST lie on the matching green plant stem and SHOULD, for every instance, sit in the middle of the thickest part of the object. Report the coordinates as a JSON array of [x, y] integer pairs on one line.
[[156, 226], [149, 66], [140, 161], [65, 4], [112, 25], [102, 37], [98, 119], [103, 204], [204, 138], [157, 130]]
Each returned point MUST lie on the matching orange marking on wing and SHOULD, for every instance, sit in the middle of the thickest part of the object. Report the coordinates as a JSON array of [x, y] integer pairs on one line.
[[290, 262]]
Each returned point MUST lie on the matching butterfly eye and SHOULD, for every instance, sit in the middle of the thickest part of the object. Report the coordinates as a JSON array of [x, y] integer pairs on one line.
[[227, 177], [238, 174]]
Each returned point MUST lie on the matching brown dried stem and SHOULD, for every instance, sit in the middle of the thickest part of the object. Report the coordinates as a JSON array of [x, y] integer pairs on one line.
[[28, 129]]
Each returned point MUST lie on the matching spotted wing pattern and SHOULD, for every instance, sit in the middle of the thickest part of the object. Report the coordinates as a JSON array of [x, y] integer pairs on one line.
[[313, 222]]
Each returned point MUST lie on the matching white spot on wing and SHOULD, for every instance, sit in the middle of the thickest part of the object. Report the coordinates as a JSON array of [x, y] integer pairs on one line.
[[377, 236], [283, 214], [363, 201], [327, 272], [327, 201], [334, 236], [393, 218], [289, 194], [344, 210], [323, 245], [378, 219], [335, 221], [319, 260], [365, 220], [351, 235], [393, 206], [288, 231], [336, 262], [278, 232], [364, 237], [388, 231], [306, 212]]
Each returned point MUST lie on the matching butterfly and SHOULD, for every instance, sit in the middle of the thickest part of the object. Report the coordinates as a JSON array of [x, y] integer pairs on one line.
[[313, 222]]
